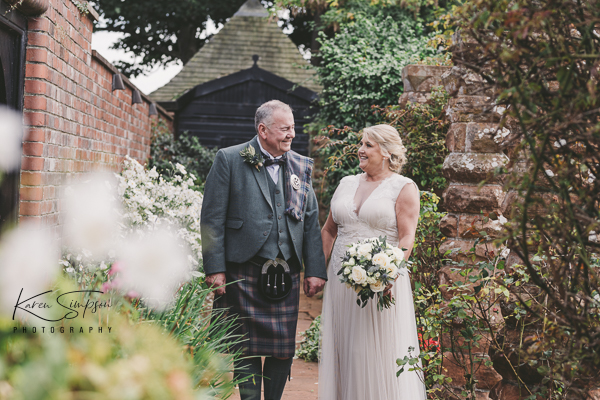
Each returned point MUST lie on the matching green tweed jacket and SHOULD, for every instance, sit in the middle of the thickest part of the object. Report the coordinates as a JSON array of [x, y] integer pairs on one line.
[[237, 211]]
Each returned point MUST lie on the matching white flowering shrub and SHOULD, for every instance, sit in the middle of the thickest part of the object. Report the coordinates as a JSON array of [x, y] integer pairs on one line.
[[150, 202]]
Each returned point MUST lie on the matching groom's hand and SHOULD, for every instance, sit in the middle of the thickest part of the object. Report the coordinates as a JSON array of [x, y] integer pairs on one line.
[[313, 285], [216, 280]]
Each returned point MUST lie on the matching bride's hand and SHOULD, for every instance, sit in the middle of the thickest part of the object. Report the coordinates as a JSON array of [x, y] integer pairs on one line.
[[388, 290]]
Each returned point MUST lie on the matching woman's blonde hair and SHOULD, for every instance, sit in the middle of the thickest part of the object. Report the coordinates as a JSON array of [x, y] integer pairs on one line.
[[390, 144]]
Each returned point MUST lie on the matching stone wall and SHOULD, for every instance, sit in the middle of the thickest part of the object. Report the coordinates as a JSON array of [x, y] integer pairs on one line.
[[476, 149], [77, 122]]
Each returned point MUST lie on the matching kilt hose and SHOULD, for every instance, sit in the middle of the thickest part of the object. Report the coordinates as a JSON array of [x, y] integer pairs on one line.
[[269, 328]]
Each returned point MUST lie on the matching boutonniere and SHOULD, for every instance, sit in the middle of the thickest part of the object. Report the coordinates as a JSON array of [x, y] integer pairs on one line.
[[250, 156]]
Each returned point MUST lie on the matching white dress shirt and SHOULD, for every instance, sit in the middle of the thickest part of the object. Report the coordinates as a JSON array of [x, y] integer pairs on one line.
[[272, 169]]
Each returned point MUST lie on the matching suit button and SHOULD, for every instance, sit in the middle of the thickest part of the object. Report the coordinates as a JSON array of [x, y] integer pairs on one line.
[[277, 192], [279, 217], [278, 204], [270, 216], [280, 243], [265, 233], [281, 231]]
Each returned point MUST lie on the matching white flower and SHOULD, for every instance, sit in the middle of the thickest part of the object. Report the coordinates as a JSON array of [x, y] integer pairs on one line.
[[398, 254], [392, 270], [152, 173], [381, 259], [377, 286], [154, 266], [11, 133], [92, 216], [364, 250], [346, 271], [181, 169], [351, 261], [358, 275], [28, 257], [352, 250]]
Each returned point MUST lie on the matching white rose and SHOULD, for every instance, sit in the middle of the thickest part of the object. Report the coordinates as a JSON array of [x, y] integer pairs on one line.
[[392, 270], [359, 275], [381, 259], [377, 287], [352, 250], [364, 250], [346, 271], [371, 280], [351, 261], [398, 254]]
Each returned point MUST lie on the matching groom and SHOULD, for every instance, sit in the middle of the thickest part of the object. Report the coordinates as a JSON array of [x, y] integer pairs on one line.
[[259, 206]]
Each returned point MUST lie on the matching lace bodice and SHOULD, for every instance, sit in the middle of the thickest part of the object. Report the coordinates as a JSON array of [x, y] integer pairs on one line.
[[377, 215]]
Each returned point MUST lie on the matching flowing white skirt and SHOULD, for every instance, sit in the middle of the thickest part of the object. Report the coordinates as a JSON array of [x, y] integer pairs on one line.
[[359, 346]]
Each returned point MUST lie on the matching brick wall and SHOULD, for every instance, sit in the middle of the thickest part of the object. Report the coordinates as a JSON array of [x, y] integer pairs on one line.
[[77, 123]]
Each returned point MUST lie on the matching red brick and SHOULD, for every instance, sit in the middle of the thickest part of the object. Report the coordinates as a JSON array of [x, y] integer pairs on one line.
[[31, 178], [33, 148], [35, 86], [32, 164], [38, 24], [38, 39], [30, 208], [37, 54], [35, 102], [34, 135], [40, 71], [30, 220], [31, 193]]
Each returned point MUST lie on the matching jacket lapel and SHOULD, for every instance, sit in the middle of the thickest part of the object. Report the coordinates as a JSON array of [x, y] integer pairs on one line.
[[261, 176]]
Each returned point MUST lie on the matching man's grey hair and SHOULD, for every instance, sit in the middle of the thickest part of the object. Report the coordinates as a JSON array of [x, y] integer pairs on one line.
[[264, 113]]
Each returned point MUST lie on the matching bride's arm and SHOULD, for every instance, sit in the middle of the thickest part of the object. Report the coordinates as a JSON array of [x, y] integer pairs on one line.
[[407, 217], [328, 235]]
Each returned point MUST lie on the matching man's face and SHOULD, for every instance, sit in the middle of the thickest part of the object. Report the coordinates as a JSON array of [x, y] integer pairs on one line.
[[277, 135]]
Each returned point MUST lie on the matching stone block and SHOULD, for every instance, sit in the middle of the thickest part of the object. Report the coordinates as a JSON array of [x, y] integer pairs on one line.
[[470, 226], [460, 81], [487, 377], [413, 97], [449, 225], [456, 137], [473, 199], [459, 249], [473, 109], [422, 78], [484, 137], [505, 390], [473, 167]]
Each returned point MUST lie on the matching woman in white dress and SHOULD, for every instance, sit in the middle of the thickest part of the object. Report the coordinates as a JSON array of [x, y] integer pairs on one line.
[[359, 346]]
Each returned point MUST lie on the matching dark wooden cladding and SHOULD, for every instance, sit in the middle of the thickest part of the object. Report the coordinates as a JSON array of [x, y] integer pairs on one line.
[[221, 112], [13, 37]]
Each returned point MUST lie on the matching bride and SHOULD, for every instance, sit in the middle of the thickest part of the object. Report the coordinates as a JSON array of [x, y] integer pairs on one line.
[[359, 346]]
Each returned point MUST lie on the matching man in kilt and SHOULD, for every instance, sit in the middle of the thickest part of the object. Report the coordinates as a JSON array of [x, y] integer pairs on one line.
[[260, 210]]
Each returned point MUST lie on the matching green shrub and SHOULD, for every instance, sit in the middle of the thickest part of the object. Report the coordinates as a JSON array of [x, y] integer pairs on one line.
[[166, 152], [362, 65], [423, 130], [309, 348]]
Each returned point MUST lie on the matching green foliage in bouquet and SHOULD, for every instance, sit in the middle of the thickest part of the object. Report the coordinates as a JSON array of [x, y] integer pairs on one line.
[[309, 348], [166, 152]]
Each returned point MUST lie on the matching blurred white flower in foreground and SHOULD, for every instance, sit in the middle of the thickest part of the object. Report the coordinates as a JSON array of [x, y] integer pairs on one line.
[[28, 261], [11, 134], [92, 215], [154, 265]]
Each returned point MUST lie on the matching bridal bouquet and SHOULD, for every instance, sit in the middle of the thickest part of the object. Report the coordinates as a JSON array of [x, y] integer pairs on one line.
[[369, 266]]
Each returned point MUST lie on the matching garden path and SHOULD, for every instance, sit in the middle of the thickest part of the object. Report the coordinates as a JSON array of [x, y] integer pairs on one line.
[[305, 375]]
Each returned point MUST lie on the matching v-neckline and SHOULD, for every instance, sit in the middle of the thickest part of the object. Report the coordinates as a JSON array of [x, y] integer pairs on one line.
[[356, 210]]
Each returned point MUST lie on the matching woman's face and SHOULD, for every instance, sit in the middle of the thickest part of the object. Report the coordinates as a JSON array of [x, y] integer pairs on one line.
[[369, 155]]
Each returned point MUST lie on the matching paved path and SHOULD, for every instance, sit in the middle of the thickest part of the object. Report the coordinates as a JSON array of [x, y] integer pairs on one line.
[[305, 375]]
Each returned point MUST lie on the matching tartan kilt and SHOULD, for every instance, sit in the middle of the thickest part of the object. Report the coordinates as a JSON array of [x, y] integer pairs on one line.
[[269, 328]]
